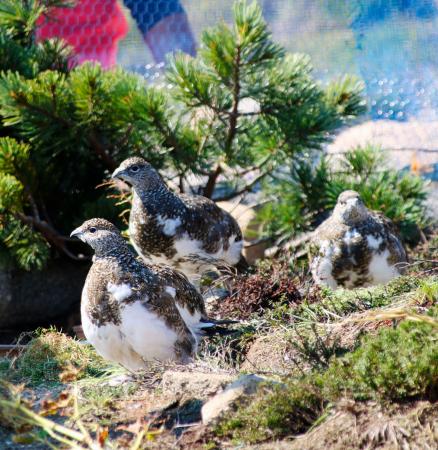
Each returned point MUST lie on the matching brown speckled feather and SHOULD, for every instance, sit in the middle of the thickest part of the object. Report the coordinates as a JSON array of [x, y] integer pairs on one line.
[[190, 233], [356, 247], [120, 289]]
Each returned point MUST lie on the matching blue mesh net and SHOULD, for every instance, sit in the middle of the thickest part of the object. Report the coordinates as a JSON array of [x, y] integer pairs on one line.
[[390, 44]]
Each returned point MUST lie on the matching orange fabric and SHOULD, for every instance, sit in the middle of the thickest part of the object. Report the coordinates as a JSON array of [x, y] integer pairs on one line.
[[93, 28]]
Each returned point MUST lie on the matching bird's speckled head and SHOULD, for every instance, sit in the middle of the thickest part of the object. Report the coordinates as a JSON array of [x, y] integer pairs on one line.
[[350, 208], [138, 173], [102, 236]]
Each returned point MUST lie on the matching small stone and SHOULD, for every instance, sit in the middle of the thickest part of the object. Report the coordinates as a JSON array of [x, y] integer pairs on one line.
[[193, 384], [222, 402]]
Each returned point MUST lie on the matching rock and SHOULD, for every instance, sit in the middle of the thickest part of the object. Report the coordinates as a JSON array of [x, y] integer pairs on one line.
[[401, 141], [37, 297], [269, 353], [193, 384], [217, 406]]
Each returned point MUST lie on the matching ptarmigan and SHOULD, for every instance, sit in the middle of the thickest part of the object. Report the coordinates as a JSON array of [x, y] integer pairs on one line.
[[190, 233], [133, 312], [356, 247]]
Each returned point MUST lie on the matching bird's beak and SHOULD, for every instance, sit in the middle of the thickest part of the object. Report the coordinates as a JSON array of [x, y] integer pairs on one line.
[[77, 233], [118, 173]]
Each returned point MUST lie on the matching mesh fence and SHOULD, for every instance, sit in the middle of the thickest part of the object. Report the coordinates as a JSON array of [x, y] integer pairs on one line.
[[390, 44]]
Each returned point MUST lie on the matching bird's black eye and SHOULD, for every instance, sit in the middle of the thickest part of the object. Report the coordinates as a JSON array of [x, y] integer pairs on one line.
[[92, 230], [134, 169]]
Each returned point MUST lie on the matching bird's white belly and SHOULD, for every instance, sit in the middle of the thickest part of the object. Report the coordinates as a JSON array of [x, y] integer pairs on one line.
[[140, 337], [147, 333], [380, 270], [110, 343]]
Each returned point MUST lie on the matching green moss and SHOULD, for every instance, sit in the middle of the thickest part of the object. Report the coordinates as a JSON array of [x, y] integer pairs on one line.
[[275, 411], [49, 354], [343, 302], [395, 365]]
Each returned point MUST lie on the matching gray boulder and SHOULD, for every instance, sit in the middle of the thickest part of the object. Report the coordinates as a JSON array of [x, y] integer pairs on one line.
[[221, 403]]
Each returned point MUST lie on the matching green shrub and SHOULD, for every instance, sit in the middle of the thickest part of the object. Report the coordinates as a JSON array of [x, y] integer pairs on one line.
[[64, 128], [305, 195], [396, 365]]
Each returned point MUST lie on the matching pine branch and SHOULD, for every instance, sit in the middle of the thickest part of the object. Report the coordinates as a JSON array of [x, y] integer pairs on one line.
[[247, 188], [100, 150], [234, 112], [211, 182], [265, 161], [32, 202], [49, 233], [95, 144]]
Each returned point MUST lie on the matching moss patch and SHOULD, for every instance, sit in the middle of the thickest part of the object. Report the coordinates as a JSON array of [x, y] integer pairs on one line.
[[395, 365], [343, 302], [49, 354]]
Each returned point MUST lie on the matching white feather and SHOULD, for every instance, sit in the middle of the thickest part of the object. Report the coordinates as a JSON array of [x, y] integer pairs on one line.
[[322, 265], [119, 291], [380, 270], [171, 290], [374, 243], [350, 236], [169, 225]]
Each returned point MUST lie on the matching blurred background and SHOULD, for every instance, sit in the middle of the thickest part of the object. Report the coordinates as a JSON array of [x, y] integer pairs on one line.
[[390, 44]]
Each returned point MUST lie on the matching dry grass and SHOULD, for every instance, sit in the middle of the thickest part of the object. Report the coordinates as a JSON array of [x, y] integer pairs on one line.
[[271, 284]]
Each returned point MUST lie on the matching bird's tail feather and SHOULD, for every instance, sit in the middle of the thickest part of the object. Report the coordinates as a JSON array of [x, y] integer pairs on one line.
[[216, 330], [212, 327], [212, 322]]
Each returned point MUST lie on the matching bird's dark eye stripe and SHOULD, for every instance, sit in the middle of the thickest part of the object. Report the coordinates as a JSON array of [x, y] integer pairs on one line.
[[92, 230]]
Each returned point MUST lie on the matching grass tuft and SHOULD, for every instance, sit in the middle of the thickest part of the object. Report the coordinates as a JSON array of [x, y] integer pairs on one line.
[[49, 354], [342, 302]]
